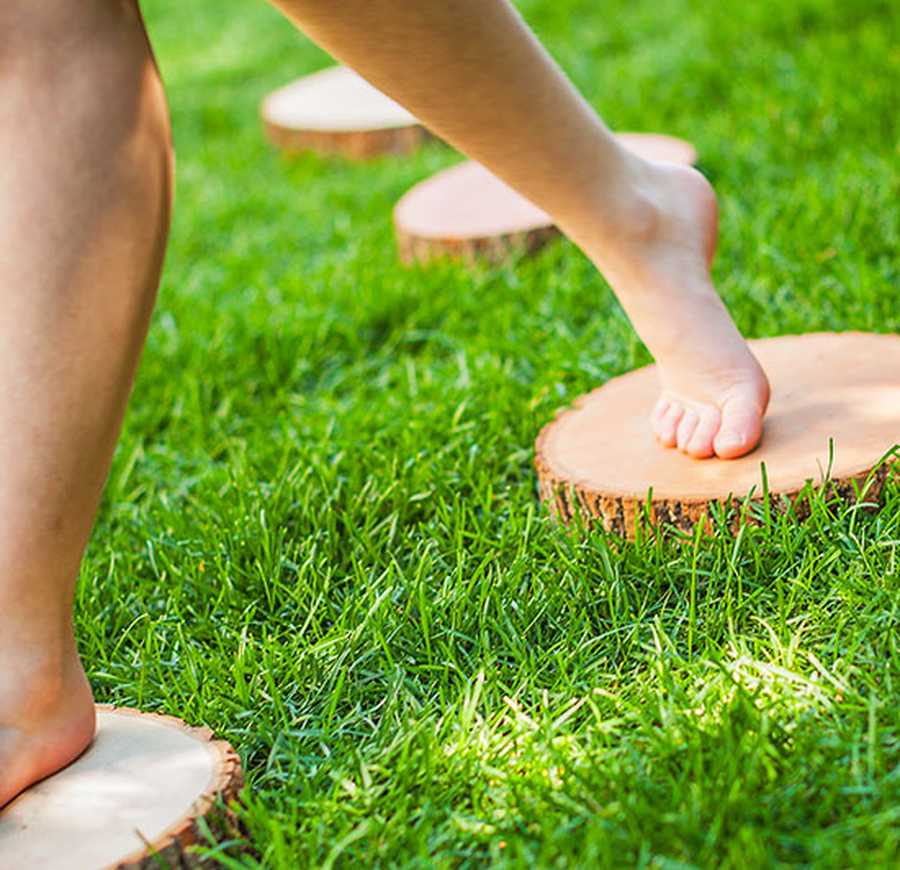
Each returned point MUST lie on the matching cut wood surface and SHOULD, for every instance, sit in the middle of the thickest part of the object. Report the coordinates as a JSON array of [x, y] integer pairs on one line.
[[833, 417], [132, 800], [336, 111], [467, 212]]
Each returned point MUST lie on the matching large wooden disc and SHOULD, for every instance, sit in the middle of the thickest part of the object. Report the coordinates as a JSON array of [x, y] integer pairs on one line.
[[137, 792], [336, 111], [599, 459], [467, 212]]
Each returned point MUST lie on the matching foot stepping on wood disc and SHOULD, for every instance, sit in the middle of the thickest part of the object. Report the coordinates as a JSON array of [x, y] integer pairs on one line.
[[336, 111], [466, 212], [830, 391], [139, 790]]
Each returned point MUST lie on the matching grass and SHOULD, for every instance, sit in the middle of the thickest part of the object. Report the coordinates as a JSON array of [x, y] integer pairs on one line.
[[321, 534]]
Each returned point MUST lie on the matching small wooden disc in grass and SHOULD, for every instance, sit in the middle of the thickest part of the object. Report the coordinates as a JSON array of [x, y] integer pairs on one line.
[[833, 416], [467, 212], [132, 800], [336, 111]]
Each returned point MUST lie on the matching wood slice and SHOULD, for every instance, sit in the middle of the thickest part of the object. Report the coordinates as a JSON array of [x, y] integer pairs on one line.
[[465, 212], [336, 111], [599, 459], [132, 800]]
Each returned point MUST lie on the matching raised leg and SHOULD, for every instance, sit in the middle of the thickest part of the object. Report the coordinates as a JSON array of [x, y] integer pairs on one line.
[[85, 188], [473, 72]]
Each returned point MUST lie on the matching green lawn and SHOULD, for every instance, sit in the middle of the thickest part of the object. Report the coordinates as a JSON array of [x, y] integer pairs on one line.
[[321, 534]]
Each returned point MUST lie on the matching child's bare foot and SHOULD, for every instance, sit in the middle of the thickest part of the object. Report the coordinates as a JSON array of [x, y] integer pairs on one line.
[[46, 719], [657, 257]]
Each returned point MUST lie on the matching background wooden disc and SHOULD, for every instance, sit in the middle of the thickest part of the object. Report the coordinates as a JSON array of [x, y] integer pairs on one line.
[[336, 111], [467, 212], [137, 791], [599, 458]]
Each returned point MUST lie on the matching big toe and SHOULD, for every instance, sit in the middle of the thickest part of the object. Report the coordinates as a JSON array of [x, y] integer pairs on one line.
[[741, 426]]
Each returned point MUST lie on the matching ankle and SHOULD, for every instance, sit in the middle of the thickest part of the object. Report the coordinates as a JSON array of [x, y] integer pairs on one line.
[[35, 682], [625, 208]]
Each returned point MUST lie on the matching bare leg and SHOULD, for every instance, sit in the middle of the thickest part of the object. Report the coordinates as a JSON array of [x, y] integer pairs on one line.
[[84, 205], [473, 72]]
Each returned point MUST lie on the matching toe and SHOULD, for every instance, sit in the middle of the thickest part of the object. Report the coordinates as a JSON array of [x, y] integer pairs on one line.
[[686, 427], [666, 430], [740, 430], [659, 412], [700, 445]]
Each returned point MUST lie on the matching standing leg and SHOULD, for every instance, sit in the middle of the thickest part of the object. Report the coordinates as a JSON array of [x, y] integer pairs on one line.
[[85, 186], [473, 72]]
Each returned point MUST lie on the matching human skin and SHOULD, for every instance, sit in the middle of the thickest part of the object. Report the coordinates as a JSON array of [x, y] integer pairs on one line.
[[85, 186], [473, 72], [84, 215]]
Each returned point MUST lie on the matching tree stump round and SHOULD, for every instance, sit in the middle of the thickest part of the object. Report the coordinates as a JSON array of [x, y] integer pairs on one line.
[[467, 213], [134, 799], [337, 112], [834, 419]]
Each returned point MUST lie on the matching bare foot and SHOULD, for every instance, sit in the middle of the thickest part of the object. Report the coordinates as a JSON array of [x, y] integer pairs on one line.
[[46, 720], [657, 258]]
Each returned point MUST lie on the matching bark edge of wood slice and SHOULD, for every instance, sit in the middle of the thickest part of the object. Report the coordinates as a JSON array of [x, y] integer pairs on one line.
[[466, 213], [192, 751], [337, 112], [833, 420]]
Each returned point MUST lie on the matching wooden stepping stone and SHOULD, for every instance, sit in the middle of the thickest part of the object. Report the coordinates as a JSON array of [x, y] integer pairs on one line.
[[336, 111], [599, 459], [466, 212], [138, 791]]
